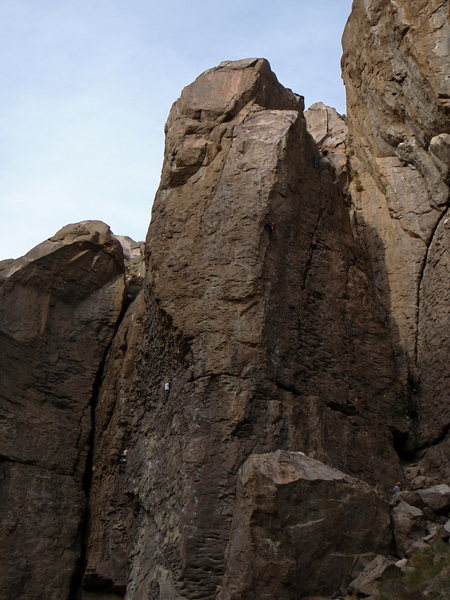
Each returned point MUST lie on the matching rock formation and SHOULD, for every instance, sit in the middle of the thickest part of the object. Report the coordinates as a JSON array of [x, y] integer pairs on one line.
[[59, 306], [399, 150], [291, 509], [262, 349], [232, 430]]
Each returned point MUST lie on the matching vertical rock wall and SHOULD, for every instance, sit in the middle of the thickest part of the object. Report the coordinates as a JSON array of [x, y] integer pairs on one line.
[[109, 533], [395, 68], [59, 306], [296, 301]]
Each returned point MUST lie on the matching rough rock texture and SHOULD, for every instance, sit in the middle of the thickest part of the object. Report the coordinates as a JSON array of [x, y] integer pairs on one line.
[[437, 497], [59, 305], [296, 301], [395, 68], [408, 524], [263, 318], [329, 130], [367, 582], [298, 528], [110, 512], [133, 253]]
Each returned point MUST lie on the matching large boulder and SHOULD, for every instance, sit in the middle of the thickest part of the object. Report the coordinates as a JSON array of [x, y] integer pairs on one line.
[[437, 497], [298, 528], [59, 307], [408, 525]]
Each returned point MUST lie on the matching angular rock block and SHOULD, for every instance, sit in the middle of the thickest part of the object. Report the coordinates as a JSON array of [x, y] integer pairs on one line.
[[409, 525], [436, 497], [298, 527]]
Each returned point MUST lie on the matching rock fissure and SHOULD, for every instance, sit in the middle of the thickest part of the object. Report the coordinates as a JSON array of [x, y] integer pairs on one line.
[[424, 264]]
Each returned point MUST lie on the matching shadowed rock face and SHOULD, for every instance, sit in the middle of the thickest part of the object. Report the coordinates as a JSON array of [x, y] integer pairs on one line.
[[59, 306], [109, 535], [399, 156]]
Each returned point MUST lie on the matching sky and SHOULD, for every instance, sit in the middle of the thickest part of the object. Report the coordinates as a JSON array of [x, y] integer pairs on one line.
[[86, 87]]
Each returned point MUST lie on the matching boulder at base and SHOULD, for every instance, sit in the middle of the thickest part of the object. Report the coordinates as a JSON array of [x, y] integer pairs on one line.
[[298, 527]]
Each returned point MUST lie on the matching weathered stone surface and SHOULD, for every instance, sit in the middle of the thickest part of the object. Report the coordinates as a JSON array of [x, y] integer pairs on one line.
[[367, 582], [133, 253], [298, 526], [395, 69], [59, 305], [329, 130], [296, 300], [436, 497], [408, 524], [262, 316], [110, 511], [435, 461], [412, 497], [419, 482]]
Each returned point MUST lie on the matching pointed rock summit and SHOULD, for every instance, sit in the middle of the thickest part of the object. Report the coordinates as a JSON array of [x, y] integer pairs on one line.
[[261, 316]]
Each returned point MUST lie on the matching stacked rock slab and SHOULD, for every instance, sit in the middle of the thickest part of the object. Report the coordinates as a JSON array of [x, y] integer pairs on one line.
[[395, 68], [59, 306], [261, 316]]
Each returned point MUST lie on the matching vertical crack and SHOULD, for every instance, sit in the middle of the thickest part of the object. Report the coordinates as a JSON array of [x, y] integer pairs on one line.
[[78, 574], [419, 290], [313, 244]]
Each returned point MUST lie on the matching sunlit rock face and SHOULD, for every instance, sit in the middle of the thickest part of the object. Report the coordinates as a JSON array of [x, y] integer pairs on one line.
[[395, 68]]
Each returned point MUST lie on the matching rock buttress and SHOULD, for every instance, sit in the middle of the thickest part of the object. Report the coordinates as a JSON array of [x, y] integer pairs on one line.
[[261, 316], [395, 68], [59, 306]]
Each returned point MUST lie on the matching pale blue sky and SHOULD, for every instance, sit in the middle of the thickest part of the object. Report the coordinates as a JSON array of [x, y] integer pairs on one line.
[[86, 87]]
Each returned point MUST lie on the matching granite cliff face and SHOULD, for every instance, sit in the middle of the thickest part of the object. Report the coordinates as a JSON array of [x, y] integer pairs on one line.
[[231, 430]]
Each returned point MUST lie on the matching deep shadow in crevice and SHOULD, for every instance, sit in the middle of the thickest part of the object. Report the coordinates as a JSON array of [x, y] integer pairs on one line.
[[404, 445], [77, 578]]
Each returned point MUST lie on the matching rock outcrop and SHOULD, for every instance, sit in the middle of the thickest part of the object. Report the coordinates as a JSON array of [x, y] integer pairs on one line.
[[261, 316], [59, 306], [330, 132], [231, 431]]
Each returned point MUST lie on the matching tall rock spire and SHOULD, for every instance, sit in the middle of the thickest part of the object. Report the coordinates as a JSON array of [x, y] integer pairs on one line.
[[261, 316]]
